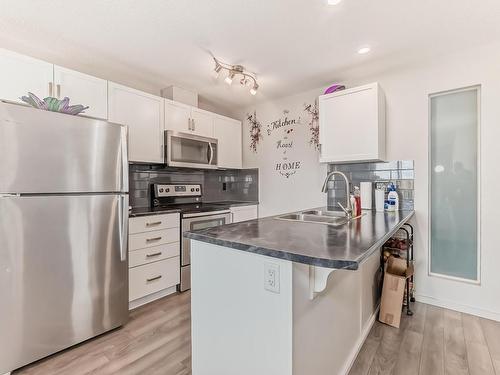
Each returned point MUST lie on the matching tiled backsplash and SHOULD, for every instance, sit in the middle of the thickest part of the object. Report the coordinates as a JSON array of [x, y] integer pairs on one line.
[[400, 172], [231, 184], [218, 185]]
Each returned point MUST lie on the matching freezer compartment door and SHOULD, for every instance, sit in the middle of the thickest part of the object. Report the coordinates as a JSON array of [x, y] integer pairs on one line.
[[47, 152], [63, 274]]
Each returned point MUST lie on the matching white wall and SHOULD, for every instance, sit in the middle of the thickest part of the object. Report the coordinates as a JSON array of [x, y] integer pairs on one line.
[[279, 194], [407, 91]]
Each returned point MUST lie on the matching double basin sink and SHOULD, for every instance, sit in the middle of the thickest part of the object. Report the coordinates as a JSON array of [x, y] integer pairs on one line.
[[317, 216]]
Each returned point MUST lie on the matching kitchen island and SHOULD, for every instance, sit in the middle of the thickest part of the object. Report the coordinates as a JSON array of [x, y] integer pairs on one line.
[[282, 297]]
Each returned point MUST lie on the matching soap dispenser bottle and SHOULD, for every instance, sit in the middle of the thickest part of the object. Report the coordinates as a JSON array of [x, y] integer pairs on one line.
[[393, 198]]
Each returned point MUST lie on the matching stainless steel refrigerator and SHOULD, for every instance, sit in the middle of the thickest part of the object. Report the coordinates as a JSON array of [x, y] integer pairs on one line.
[[63, 231]]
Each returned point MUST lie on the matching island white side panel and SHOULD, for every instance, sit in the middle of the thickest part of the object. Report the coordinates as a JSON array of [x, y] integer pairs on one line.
[[326, 328], [238, 327]]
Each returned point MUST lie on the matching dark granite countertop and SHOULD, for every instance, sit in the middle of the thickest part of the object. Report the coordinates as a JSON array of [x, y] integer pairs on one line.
[[144, 211], [236, 203], [316, 244]]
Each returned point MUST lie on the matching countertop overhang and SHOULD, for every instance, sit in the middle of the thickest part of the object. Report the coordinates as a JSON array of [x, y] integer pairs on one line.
[[339, 247]]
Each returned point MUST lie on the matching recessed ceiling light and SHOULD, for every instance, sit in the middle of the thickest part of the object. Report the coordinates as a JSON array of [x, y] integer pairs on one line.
[[363, 50], [334, 2]]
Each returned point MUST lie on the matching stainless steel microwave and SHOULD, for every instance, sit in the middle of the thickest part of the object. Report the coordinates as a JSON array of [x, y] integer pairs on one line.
[[190, 151]]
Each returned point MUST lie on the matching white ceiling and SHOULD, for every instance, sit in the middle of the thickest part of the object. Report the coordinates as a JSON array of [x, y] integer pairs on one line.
[[292, 45]]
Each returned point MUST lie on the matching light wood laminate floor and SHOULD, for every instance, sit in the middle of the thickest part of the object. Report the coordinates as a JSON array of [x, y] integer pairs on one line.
[[156, 340], [434, 341]]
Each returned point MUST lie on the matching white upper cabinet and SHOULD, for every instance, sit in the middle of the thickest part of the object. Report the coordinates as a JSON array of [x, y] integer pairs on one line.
[[184, 118], [202, 122], [228, 133], [352, 125], [144, 115], [177, 116], [82, 89], [21, 74]]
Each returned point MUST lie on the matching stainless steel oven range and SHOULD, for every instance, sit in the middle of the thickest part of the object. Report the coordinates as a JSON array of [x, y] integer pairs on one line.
[[194, 214]]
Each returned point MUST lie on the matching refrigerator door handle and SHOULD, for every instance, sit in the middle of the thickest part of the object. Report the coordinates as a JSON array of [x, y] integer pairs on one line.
[[124, 159], [123, 226]]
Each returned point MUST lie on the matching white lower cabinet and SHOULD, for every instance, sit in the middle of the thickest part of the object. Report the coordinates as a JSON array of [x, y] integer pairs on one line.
[[154, 257], [153, 254], [151, 278], [243, 213], [153, 238]]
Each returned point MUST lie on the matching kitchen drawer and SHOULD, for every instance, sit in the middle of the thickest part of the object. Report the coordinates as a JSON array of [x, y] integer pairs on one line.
[[153, 222], [153, 238], [153, 277], [153, 254]]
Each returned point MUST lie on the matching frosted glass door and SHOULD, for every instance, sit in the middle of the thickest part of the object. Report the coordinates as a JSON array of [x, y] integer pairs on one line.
[[454, 130]]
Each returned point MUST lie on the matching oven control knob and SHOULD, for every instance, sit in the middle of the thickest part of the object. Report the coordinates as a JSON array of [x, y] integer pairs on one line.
[[161, 190], [192, 189], [167, 190], [197, 189]]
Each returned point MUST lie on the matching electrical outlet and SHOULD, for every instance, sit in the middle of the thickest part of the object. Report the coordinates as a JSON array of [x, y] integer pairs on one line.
[[272, 277]]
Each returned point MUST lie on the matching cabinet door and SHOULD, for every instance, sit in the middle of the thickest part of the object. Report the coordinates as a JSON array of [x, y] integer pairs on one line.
[[21, 74], [352, 125], [82, 89], [228, 133], [143, 114], [243, 213], [203, 122], [177, 117]]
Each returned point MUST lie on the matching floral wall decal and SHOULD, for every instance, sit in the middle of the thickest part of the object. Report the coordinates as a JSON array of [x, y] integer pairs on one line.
[[255, 131], [313, 111]]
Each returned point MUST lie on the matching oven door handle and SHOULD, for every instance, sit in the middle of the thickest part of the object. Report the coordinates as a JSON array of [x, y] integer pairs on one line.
[[213, 214]]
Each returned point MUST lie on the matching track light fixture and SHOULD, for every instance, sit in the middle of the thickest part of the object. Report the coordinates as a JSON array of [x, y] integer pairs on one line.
[[247, 78], [217, 70]]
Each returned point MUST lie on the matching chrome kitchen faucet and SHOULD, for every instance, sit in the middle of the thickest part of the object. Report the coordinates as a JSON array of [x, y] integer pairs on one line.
[[348, 208]]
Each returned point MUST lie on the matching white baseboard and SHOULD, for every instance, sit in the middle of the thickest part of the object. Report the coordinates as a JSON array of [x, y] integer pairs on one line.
[[359, 344], [151, 297], [492, 315]]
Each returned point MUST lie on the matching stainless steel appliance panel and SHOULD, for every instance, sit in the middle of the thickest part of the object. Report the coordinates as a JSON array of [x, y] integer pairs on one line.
[[48, 152], [185, 278], [195, 222], [63, 272], [189, 150]]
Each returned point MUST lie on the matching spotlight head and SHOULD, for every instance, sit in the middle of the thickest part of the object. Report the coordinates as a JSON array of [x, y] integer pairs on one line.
[[254, 89], [229, 78]]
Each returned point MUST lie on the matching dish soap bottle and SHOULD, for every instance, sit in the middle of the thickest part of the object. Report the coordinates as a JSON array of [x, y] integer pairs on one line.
[[357, 200], [393, 198]]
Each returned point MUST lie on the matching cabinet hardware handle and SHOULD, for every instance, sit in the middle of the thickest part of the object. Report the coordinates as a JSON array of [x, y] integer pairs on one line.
[[153, 239], [58, 90], [194, 125], [50, 88], [189, 124], [153, 255], [154, 278], [154, 223]]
